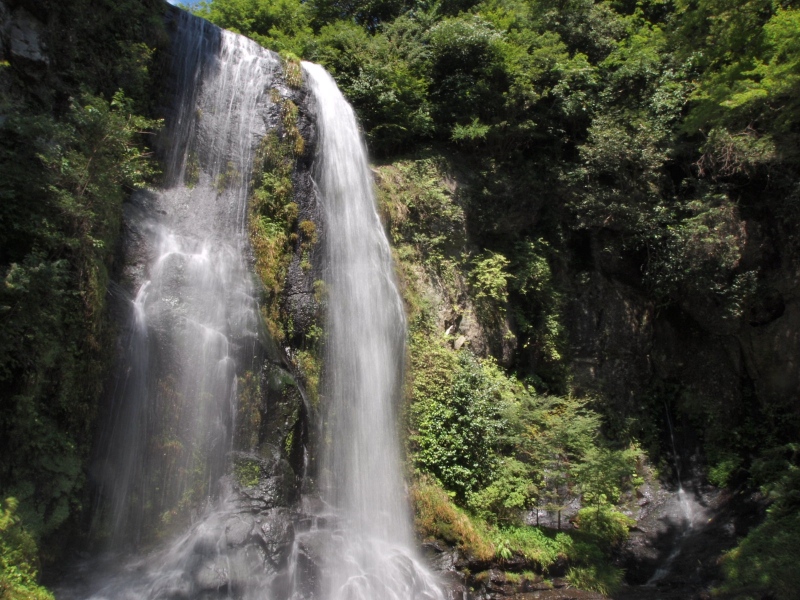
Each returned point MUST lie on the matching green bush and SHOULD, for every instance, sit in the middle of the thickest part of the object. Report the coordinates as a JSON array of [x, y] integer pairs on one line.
[[455, 418], [606, 524], [764, 564], [18, 559]]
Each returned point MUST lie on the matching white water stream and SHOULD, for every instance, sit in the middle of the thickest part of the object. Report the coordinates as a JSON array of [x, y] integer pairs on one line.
[[365, 349], [684, 516], [195, 313]]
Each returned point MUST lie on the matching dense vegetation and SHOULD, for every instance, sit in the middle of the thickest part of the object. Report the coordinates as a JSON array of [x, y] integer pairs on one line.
[[72, 146], [533, 150]]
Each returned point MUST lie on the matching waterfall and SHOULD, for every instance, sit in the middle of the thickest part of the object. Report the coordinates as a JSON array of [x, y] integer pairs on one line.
[[364, 352], [196, 317], [165, 468], [686, 514]]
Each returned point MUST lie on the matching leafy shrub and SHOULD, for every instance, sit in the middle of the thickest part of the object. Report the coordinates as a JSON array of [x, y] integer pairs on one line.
[[62, 182], [18, 559], [534, 544], [455, 419], [489, 278], [510, 492], [387, 92], [764, 564], [605, 523], [721, 471], [281, 26]]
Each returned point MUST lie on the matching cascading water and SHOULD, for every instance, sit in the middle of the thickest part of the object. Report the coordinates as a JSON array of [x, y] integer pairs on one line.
[[371, 557], [195, 329], [196, 313], [686, 514]]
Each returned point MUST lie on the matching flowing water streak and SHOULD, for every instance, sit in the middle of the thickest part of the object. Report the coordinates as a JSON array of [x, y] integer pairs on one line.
[[687, 514], [196, 319], [361, 476]]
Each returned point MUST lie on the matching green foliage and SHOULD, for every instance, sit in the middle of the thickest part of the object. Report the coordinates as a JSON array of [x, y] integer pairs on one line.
[[603, 474], [539, 304], [601, 579], [272, 215], [670, 127], [63, 186], [589, 566], [721, 472], [489, 278], [764, 563], [388, 93], [535, 545], [509, 493], [247, 472], [281, 25], [753, 64], [422, 210], [467, 71], [18, 558], [437, 516], [455, 419], [73, 143], [700, 252], [607, 525]]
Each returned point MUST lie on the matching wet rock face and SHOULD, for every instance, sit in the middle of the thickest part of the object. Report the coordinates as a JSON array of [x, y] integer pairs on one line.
[[302, 293], [22, 42], [611, 336], [242, 549], [261, 484], [674, 550]]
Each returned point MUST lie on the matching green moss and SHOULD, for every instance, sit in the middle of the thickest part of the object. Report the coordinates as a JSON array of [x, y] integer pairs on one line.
[[246, 472], [273, 227], [288, 442], [224, 179], [191, 175], [310, 365], [248, 419], [514, 578]]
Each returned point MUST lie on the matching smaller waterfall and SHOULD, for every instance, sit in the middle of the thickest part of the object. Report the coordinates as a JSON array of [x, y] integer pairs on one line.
[[195, 316], [687, 515], [371, 556]]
